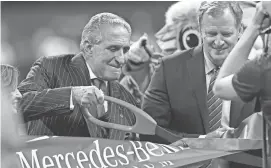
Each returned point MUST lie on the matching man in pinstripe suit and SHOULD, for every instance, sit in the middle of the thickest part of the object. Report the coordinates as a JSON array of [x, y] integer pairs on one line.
[[57, 87]]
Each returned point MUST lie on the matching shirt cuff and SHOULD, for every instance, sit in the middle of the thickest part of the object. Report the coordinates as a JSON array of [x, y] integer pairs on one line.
[[71, 103], [202, 136]]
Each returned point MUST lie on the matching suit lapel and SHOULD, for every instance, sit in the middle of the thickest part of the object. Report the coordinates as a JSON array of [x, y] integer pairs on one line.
[[115, 111], [113, 91], [196, 70], [78, 71]]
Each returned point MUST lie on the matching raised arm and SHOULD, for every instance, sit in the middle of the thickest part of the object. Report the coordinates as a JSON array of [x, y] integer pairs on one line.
[[40, 98], [238, 56]]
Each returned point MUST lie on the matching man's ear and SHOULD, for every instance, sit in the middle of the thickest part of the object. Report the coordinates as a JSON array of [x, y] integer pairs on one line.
[[87, 48]]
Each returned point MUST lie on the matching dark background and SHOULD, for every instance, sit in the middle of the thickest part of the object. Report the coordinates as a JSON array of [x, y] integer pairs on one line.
[[33, 29]]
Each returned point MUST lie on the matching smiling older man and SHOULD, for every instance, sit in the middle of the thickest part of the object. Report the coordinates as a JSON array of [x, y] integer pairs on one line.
[[57, 87]]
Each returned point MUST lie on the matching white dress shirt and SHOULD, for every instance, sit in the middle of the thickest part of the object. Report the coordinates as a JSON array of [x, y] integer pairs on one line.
[[92, 76]]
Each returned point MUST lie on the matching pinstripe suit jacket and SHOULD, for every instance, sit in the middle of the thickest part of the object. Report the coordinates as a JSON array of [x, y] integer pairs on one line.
[[46, 99]]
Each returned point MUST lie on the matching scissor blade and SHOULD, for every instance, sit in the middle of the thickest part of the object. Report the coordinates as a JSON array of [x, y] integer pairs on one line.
[[167, 135]]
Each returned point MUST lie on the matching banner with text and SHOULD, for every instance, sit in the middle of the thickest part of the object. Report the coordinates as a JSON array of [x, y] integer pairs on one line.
[[72, 152]]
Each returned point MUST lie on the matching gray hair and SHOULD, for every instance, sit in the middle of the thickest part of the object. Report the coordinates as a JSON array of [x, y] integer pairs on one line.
[[91, 31], [216, 8]]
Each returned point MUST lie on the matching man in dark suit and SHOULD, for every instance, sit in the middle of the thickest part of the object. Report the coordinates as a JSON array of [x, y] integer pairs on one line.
[[180, 96], [58, 87], [177, 96]]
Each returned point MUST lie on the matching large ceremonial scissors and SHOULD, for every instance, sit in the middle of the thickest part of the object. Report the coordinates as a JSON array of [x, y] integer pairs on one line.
[[145, 124]]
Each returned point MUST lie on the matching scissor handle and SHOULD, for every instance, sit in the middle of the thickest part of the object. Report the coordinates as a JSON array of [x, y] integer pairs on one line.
[[145, 124]]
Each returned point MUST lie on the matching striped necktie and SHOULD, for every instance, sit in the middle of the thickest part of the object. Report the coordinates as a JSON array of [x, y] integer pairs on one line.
[[214, 105], [99, 84]]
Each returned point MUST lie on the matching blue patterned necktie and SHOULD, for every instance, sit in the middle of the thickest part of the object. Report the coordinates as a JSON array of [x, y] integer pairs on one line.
[[214, 105]]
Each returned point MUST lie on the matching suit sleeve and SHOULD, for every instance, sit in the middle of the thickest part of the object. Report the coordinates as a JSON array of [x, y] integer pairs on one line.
[[40, 98], [156, 102]]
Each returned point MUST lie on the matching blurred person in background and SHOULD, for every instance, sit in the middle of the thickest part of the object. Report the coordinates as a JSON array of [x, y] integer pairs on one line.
[[58, 87], [7, 50], [10, 118], [9, 82]]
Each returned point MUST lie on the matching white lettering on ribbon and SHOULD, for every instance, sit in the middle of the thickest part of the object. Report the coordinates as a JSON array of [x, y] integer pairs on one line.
[[80, 159], [111, 155], [96, 151], [34, 160], [67, 159], [122, 155], [169, 149], [51, 163], [57, 159], [166, 163], [148, 165], [102, 158], [151, 147], [137, 151]]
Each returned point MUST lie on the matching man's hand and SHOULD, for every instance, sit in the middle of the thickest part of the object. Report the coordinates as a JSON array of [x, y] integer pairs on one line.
[[260, 18], [137, 53], [218, 133], [89, 97], [180, 143]]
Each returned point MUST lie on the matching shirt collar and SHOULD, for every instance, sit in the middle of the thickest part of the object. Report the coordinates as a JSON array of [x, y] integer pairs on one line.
[[92, 75], [209, 66]]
